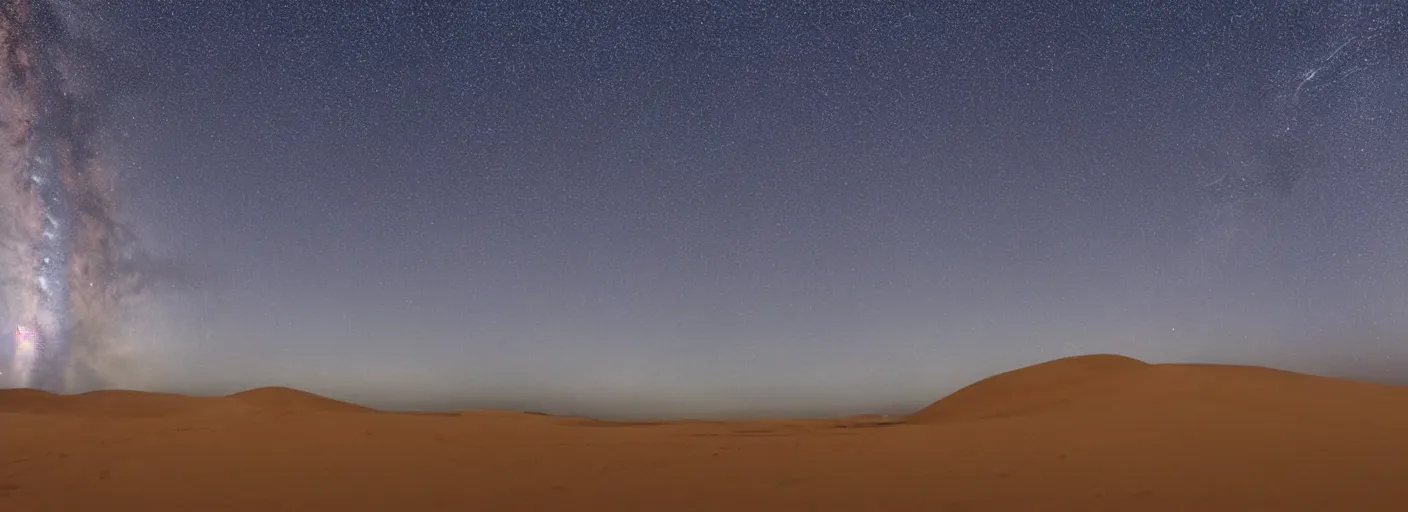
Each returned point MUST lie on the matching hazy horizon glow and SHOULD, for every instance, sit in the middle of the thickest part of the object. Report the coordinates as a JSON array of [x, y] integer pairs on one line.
[[755, 207]]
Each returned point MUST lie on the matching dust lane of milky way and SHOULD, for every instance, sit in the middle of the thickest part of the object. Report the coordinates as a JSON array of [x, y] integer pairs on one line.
[[62, 248]]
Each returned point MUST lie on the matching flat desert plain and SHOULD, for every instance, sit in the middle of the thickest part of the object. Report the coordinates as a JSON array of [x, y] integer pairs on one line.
[[1096, 432]]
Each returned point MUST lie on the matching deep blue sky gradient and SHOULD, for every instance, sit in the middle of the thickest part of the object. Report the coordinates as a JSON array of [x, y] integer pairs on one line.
[[698, 208]]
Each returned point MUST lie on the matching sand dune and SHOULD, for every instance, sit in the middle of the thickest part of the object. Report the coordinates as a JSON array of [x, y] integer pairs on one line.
[[1088, 384], [116, 403], [286, 399], [1032, 389], [121, 403], [1087, 433]]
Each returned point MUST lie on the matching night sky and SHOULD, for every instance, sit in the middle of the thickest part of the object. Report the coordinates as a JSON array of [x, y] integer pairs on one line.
[[714, 208]]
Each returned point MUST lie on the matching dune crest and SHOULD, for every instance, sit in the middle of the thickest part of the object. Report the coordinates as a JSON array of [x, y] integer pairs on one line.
[[125, 403], [1112, 382], [100, 403], [1028, 389], [27, 401], [280, 398]]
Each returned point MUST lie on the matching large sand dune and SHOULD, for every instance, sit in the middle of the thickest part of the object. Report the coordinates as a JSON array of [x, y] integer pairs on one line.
[[1087, 433]]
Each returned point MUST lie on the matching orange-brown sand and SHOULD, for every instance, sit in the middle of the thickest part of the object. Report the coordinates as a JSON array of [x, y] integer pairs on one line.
[[1086, 433]]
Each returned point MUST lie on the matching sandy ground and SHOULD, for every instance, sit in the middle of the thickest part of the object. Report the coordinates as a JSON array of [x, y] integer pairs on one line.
[[1087, 433]]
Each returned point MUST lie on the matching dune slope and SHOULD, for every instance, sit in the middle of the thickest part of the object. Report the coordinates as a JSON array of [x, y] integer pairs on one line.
[[1031, 389], [287, 399], [1109, 383]]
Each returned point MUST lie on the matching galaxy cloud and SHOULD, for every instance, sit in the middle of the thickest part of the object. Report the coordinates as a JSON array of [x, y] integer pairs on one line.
[[61, 246]]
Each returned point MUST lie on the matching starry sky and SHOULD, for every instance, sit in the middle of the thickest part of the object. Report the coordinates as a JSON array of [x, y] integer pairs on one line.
[[726, 207]]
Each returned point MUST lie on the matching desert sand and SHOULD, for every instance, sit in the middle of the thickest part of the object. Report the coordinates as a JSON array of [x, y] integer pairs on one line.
[[1096, 432]]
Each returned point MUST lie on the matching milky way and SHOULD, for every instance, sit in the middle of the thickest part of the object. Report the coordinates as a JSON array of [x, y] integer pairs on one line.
[[60, 248]]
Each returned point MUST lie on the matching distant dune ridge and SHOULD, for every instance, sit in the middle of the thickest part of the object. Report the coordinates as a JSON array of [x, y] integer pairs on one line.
[[1062, 385], [287, 399], [138, 403], [1105, 381], [1097, 432]]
